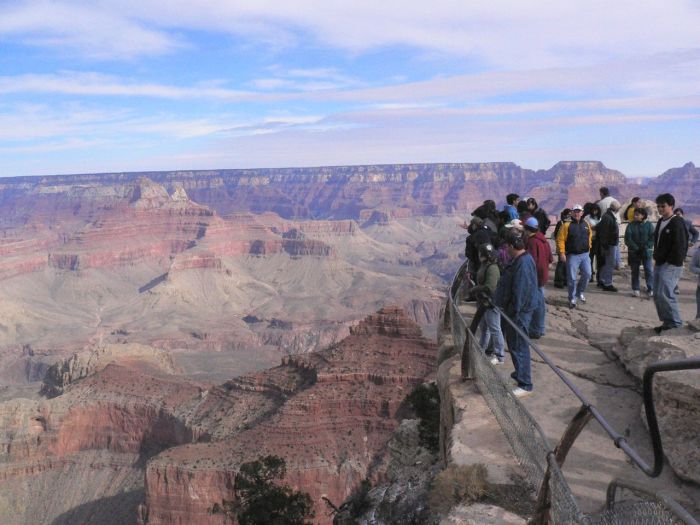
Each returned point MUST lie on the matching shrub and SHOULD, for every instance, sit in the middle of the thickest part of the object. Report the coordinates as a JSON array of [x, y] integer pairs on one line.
[[261, 501], [425, 400], [457, 484]]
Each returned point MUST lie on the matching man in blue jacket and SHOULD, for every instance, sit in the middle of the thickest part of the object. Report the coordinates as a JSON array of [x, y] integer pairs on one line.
[[516, 295], [670, 249]]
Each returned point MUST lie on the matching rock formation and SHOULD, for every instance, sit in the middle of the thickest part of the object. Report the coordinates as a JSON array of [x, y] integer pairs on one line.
[[331, 429], [329, 414], [676, 394], [364, 193]]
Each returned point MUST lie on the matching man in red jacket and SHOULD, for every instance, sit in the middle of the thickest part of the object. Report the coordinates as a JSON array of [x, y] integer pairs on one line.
[[538, 247]]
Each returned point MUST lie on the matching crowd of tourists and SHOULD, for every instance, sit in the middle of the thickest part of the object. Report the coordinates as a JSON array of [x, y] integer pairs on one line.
[[509, 259]]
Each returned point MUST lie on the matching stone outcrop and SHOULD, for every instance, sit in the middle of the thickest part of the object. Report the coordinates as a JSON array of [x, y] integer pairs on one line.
[[331, 429], [86, 363], [329, 414], [676, 394]]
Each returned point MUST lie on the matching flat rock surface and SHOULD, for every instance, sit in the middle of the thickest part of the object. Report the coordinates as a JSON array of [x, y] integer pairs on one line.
[[582, 342]]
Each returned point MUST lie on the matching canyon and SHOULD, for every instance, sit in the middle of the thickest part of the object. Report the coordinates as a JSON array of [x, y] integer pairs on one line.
[[159, 329]]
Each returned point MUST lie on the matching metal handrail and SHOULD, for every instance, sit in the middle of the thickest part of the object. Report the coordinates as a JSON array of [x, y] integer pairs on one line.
[[587, 410], [619, 440]]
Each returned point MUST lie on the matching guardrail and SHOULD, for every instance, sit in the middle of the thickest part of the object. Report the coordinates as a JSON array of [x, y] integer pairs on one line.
[[541, 463]]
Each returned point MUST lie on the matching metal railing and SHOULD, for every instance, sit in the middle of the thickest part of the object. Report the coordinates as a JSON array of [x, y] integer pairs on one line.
[[541, 463]]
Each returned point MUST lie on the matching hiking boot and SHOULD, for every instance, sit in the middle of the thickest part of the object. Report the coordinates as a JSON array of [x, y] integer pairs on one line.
[[609, 288]]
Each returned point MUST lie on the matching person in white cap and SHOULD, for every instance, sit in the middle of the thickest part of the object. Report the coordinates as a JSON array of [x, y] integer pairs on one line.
[[573, 245]]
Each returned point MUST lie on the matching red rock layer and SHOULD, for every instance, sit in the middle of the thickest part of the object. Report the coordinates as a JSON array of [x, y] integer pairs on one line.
[[331, 432]]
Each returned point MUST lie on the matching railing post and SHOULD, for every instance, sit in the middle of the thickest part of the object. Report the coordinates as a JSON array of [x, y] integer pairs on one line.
[[467, 356], [576, 425]]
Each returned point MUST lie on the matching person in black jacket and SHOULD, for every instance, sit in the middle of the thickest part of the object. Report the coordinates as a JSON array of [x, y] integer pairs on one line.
[[539, 214], [693, 233], [608, 234], [670, 249], [479, 234]]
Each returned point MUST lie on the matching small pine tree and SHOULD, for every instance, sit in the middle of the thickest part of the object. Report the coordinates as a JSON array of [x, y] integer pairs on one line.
[[261, 501]]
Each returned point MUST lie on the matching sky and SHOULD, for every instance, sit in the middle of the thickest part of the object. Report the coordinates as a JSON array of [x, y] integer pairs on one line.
[[125, 85]]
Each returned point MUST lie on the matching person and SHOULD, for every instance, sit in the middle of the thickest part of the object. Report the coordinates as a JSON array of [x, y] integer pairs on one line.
[[516, 296], [695, 268], [537, 246], [608, 233], [560, 271], [539, 214], [692, 230], [479, 234], [639, 239], [605, 200], [670, 249], [486, 282], [523, 210], [628, 214], [487, 212], [593, 218], [503, 255], [573, 245], [511, 208]]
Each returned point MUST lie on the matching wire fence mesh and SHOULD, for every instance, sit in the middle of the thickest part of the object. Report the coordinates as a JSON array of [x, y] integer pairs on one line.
[[532, 449]]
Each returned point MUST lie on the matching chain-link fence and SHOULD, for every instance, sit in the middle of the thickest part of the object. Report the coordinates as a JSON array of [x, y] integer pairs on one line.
[[532, 449]]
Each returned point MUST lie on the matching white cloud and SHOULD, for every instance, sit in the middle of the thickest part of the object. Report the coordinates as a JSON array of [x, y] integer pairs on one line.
[[82, 29], [498, 33]]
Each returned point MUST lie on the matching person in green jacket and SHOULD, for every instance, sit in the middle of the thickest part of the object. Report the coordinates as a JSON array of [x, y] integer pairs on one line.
[[639, 239], [486, 280]]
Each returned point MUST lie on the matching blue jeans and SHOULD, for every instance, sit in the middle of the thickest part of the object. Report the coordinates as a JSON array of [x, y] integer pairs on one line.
[[574, 262], [606, 272], [490, 326], [666, 279], [520, 349], [648, 272], [537, 323]]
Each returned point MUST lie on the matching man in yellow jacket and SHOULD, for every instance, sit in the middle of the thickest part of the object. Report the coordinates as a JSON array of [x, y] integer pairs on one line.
[[573, 245]]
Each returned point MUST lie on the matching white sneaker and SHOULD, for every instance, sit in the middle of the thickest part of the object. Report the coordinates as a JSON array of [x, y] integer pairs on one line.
[[582, 298], [496, 361], [635, 293], [650, 293], [520, 392]]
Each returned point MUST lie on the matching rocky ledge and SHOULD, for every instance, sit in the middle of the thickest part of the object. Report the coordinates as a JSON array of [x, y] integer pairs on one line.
[[676, 394]]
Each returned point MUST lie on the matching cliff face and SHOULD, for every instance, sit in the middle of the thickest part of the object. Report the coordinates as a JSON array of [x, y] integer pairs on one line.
[[328, 414], [331, 431], [339, 192]]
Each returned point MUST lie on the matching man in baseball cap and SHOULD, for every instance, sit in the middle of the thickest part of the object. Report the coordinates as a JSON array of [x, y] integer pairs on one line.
[[574, 244]]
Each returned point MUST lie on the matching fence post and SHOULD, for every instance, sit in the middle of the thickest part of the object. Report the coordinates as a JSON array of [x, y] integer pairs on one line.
[[576, 425], [467, 350]]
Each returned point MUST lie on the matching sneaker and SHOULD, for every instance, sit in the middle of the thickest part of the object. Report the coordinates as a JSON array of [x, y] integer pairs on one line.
[[609, 288], [496, 361], [650, 293], [600, 285], [572, 304], [520, 392], [582, 298], [635, 293]]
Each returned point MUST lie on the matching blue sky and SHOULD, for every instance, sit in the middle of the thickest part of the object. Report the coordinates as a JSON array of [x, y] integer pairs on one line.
[[124, 85]]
